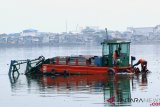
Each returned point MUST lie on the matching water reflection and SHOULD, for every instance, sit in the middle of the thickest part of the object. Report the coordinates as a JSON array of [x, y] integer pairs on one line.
[[14, 78], [118, 87], [140, 81]]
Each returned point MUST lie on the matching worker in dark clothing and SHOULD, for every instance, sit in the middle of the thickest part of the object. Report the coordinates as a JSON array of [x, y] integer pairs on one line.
[[143, 64]]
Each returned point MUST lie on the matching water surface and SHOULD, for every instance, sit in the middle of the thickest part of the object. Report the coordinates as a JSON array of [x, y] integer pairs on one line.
[[78, 91]]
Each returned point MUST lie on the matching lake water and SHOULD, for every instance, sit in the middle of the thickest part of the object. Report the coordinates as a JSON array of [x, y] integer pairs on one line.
[[79, 91]]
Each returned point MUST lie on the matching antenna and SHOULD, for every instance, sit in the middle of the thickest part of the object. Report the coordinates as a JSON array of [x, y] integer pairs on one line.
[[66, 26], [106, 33]]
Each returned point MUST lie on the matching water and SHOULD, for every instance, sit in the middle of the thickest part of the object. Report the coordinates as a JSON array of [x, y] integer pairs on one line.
[[79, 91]]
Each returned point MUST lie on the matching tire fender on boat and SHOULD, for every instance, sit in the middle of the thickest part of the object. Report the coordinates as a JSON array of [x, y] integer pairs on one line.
[[53, 72], [111, 71], [65, 72]]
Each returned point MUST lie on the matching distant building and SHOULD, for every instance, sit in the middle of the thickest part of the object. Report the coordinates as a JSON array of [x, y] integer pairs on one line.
[[145, 31], [115, 34], [157, 29], [45, 37], [29, 32], [127, 35], [3, 40], [90, 29]]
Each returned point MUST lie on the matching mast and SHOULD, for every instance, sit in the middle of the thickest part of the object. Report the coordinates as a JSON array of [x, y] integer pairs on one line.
[[106, 33]]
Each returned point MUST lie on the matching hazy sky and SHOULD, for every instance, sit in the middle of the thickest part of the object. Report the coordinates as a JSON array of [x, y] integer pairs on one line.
[[51, 15]]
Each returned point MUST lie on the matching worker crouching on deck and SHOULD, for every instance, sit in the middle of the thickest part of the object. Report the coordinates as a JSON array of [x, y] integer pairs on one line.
[[115, 56], [143, 65]]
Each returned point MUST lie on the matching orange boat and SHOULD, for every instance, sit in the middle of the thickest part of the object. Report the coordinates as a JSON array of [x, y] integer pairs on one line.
[[93, 65], [115, 59], [90, 70]]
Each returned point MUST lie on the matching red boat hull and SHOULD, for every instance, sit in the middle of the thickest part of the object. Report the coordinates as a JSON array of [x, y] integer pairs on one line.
[[86, 70]]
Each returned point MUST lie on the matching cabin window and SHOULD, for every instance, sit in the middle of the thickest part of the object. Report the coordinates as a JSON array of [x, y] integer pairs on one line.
[[113, 47], [105, 49], [125, 48]]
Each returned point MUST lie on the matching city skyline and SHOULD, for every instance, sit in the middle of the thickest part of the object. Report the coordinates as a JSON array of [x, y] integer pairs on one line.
[[55, 15]]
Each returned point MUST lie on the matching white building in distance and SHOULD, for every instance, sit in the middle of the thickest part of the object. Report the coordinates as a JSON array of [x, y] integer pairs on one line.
[[145, 31], [29, 32], [157, 29]]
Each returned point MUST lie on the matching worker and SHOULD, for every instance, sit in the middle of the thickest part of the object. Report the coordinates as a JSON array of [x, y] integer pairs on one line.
[[143, 64], [115, 56]]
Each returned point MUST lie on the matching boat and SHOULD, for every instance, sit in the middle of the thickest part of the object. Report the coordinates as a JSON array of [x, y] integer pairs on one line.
[[82, 64]]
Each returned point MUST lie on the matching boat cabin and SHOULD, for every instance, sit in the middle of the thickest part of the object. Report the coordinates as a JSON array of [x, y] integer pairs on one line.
[[108, 49]]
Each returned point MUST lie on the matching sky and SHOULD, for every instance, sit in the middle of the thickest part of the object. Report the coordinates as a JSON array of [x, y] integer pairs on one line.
[[54, 15]]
